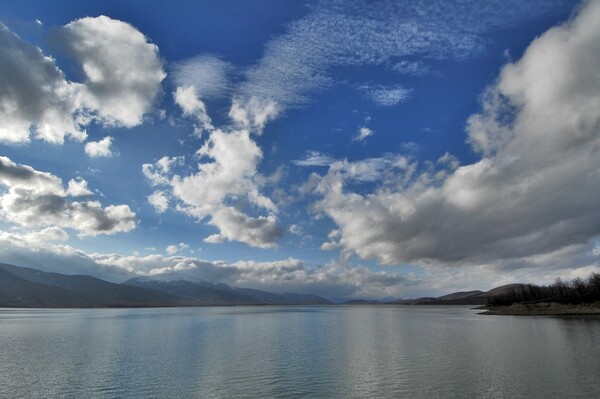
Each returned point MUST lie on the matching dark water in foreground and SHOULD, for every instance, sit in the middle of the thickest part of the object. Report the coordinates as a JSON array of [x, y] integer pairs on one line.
[[338, 352]]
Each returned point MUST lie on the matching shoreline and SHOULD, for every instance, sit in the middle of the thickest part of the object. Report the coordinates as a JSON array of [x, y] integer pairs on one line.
[[543, 309]]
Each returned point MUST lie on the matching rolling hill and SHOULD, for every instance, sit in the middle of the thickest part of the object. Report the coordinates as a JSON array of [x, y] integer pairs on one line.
[[460, 298]]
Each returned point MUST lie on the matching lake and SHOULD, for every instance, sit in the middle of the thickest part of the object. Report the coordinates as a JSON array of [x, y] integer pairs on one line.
[[288, 352]]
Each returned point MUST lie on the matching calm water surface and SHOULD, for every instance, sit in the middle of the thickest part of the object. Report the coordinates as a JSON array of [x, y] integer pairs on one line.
[[322, 352]]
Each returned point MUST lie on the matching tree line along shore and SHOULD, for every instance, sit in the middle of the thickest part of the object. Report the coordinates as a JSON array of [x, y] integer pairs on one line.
[[575, 297]]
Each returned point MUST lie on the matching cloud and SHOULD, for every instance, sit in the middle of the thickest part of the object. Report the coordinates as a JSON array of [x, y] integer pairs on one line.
[[207, 74], [227, 189], [47, 250], [296, 229], [229, 174], [398, 168], [33, 95], [411, 147], [226, 182], [234, 225], [158, 173], [37, 239], [315, 158], [102, 148], [363, 133], [286, 275], [385, 96], [122, 69], [535, 189], [35, 198], [122, 78], [173, 249], [253, 113], [349, 33], [78, 188], [332, 279], [159, 201], [25, 177], [333, 242], [414, 68], [190, 103]]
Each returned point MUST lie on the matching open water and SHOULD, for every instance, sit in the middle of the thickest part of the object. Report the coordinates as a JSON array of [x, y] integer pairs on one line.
[[289, 352]]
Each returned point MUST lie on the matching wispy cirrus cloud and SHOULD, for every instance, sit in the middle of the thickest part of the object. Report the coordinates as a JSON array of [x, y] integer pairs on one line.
[[208, 74], [385, 96], [314, 158], [414, 68], [350, 33]]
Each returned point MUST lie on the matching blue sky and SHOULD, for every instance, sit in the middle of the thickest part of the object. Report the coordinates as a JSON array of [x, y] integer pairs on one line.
[[350, 149]]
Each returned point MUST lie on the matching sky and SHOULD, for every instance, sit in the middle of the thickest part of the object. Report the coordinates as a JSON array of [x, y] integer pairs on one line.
[[387, 149]]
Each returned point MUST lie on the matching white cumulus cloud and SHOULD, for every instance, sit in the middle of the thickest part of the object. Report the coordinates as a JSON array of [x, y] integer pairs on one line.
[[101, 148], [159, 201], [173, 249], [363, 133], [122, 68], [33, 198], [78, 188], [159, 173], [229, 173], [187, 98]]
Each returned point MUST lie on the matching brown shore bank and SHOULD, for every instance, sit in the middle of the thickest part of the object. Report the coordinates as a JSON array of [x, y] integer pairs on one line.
[[543, 309]]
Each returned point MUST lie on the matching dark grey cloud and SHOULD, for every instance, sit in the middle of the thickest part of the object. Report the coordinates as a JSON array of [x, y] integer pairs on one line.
[[34, 198], [33, 94], [122, 73]]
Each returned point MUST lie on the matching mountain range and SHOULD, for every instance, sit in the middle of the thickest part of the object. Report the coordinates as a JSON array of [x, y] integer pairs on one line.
[[31, 288]]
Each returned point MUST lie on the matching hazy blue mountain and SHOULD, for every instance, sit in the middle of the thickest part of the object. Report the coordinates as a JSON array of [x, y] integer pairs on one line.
[[202, 292], [221, 294], [25, 287], [18, 292]]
